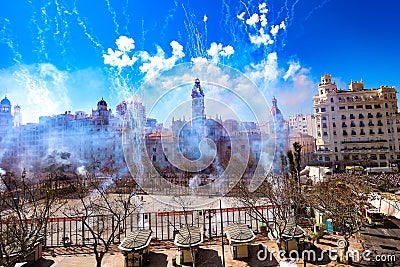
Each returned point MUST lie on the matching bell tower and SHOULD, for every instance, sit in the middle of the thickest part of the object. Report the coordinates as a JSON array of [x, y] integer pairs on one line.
[[197, 101]]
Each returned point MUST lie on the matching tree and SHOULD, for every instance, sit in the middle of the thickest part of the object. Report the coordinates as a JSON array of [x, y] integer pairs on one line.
[[277, 192], [343, 197], [24, 212], [101, 213], [297, 158]]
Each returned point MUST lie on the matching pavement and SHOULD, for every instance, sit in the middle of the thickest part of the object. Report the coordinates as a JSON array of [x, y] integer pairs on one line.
[[210, 255]]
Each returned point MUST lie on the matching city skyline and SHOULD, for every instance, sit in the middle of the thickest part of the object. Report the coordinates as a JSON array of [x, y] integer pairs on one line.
[[58, 57]]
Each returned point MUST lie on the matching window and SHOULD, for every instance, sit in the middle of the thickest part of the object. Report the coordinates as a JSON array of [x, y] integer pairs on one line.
[[360, 116], [323, 109], [353, 132], [382, 156], [342, 108], [316, 110], [352, 124], [344, 125], [359, 106], [362, 132], [331, 99], [352, 116], [350, 107], [362, 124], [332, 108], [377, 106], [368, 106], [370, 116], [343, 117], [324, 125], [325, 134], [334, 132]]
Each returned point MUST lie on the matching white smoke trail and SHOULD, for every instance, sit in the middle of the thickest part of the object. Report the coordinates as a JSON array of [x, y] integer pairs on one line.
[[126, 16], [6, 34], [41, 40], [62, 27], [316, 8], [86, 30], [114, 16]]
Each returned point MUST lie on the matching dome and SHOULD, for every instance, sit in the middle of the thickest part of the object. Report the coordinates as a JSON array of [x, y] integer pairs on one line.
[[5, 101], [102, 102], [275, 110]]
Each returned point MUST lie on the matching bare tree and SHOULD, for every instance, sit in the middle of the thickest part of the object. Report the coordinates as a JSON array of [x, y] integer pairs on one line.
[[102, 214], [278, 193], [24, 212]]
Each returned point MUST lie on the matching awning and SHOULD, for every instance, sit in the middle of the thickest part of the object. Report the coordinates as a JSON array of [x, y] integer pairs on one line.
[[188, 237], [136, 240], [239, 233]]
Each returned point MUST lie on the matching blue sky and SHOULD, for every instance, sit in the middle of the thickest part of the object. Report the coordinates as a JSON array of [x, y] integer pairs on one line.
[[55, 54]]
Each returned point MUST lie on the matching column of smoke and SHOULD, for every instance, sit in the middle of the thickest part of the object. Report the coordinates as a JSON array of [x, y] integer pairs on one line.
[[135, 126]]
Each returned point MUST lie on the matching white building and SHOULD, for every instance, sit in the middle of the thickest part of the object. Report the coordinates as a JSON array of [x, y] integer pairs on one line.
[[356, 126], [303, 123]]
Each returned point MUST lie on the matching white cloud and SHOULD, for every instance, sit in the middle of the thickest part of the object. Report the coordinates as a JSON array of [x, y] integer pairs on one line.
[[263, 20], [213, 51], [293, 68], [120, 58], [305, 89], [205, 18], [241, 15], [253, 20], [263, 8], [217, 50], [153, 64], [125, 44], [264, 72], [227, 51], [261, 39]]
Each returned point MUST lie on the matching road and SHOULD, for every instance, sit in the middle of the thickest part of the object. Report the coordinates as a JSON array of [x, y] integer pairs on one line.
[[384, 244]]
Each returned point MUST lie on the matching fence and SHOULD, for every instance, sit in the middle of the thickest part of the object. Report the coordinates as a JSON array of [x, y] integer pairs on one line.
[[72, 231]]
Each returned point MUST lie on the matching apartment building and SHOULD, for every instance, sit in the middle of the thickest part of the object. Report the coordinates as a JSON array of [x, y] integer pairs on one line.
[[302, 123], [356, 126]]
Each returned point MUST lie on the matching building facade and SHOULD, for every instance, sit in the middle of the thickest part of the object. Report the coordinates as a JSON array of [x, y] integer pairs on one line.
[[357, 126], [303, 123]]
